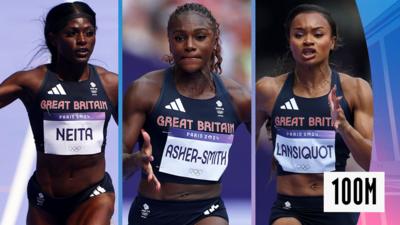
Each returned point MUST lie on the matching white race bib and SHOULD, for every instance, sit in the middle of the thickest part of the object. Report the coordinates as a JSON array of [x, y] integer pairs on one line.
[[73, 133], [196, 154], [305, 151]]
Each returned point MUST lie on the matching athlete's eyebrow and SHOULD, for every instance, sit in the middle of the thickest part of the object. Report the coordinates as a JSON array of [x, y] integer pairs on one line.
[[194, 30], [312, 28]]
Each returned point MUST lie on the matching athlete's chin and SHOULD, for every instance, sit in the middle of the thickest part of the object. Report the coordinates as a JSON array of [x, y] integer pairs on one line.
[[310, 62], [191, 68], [82, 60]]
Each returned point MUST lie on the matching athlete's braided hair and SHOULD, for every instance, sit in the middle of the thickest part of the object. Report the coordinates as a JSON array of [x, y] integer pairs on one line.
[[216, 58]]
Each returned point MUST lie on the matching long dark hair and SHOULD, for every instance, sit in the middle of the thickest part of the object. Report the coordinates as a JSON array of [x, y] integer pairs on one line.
[[58, 17], [216, 58]]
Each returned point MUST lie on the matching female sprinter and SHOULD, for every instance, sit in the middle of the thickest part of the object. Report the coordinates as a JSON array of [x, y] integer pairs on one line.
[[318, 117], [185, 117], [69, 103]]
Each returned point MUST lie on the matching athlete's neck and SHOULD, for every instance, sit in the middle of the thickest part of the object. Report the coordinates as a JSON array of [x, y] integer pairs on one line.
[[197, 84], [70, 72], [312, 76]]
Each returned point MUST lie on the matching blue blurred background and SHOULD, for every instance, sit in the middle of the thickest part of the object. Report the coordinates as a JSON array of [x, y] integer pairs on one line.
[[381, 22]]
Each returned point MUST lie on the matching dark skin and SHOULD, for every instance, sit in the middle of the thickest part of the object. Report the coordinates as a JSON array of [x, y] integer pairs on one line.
[[59, 175], [191, 39], [311, 41]]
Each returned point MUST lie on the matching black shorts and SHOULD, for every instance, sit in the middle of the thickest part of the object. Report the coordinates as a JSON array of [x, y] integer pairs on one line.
[[61, 208], [309, 210], [145, 211]]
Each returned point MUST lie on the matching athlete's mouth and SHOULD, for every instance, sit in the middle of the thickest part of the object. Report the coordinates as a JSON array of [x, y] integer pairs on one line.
[[308, 51], [82, 51], [190, 59]]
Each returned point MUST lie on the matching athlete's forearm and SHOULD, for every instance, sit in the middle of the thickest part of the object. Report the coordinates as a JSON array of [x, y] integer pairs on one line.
[[359, 146], [130, 165], [8, 94]]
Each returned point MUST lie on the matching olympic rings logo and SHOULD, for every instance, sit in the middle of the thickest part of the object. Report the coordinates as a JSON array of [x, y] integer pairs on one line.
[[196, 172], [76, 148], [303, 167]]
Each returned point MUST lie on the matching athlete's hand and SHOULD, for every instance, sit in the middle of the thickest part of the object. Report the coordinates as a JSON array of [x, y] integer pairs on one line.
[[337, 114], [146, 157]]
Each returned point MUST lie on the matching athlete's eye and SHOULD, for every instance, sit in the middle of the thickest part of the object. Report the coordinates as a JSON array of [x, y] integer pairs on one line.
[[90, 33], [298, 34], [201, 37], [70, 33], [319, 34], [179, 38]]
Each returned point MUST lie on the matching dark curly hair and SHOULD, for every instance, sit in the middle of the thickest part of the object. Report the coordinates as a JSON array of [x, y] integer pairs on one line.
[[216, 58]]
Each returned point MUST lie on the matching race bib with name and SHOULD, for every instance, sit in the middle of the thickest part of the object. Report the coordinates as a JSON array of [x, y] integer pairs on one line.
[[196, 154], [305, 151], [73, 133]]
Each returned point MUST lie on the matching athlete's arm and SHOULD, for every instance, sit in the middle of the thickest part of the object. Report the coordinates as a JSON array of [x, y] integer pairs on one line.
[[241, 100], [267, 90], [110, 84], [358, 138], [261, 100], [134, 116], [11, 89], [138, 101]]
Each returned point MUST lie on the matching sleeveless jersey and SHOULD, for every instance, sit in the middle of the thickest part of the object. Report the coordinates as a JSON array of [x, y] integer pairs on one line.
[[70, 117], [304, 138], [191, 138]]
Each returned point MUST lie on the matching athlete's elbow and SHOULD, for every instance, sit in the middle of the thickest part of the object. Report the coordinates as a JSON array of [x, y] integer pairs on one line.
[[365, 161], [366, 165]]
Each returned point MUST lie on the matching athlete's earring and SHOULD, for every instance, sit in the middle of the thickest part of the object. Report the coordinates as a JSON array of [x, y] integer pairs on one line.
[[333, 44], [169, 59]]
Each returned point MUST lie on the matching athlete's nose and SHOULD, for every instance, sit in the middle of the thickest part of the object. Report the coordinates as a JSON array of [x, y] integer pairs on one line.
[[190, 45], [81, 39], [308, 40]]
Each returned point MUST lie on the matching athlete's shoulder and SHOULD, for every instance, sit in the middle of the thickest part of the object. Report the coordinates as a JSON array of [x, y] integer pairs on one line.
[[35, 73], [146, 90], [240, 96], [353, 84], [106, 75], [109, 81], [237, 91], [232, 85], [355, 89], [347, 79], [31, 78], [267, 91], [153, 77], [149, 81], [270, 86]]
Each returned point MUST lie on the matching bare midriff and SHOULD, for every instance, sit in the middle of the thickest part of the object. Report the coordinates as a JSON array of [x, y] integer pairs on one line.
[[64, 176], [301, 185], [179, 192]]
